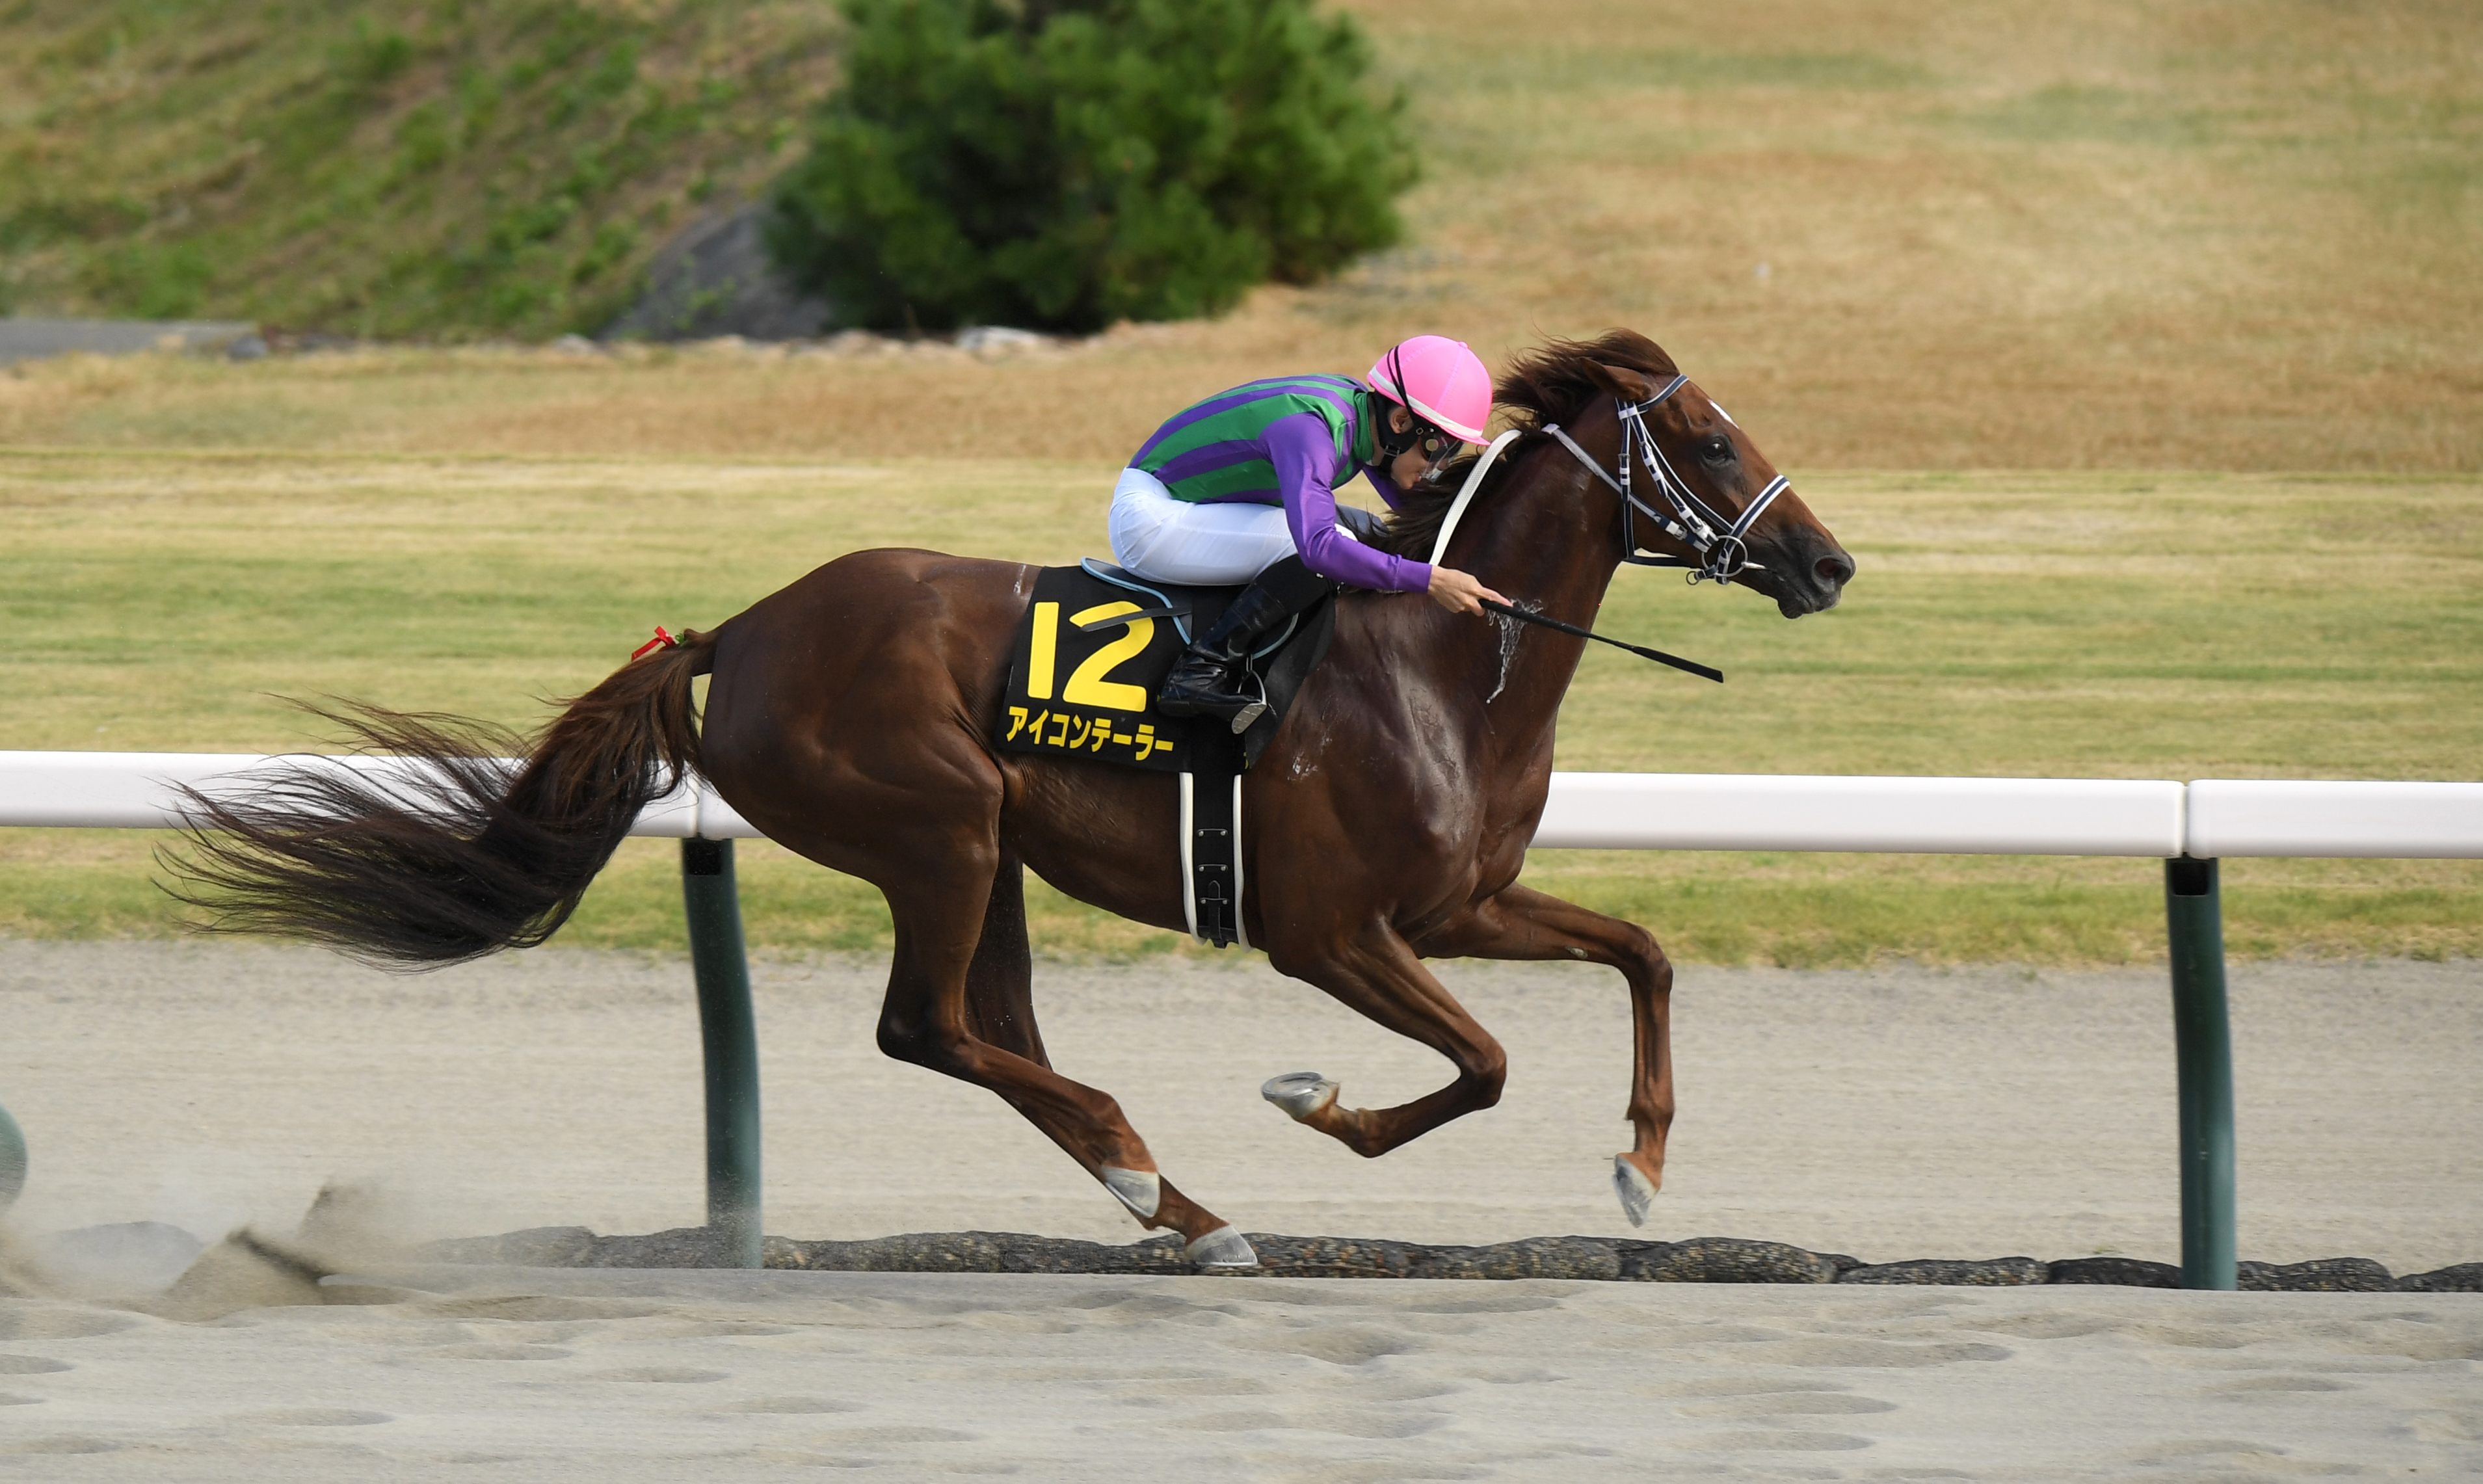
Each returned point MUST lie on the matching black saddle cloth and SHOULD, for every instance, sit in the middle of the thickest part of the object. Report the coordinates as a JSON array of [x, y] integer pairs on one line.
[[1090, 692]]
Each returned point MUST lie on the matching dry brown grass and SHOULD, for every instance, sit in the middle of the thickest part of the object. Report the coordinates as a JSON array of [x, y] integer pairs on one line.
[[1997, 233]]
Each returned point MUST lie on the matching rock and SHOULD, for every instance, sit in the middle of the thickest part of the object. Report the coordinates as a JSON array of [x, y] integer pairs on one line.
[[716, 279], [534, 1247], [978, 1252], [1059, 1255], [576, 345], [1964, 1272], [1334, 1256], [1540, 1256], [921, 1252], [2458, 1278], [2319, 1275], [679, 1247], [993, 341], [249, 347], [2127, 1272], [1581, 1258], [1728, 1259]]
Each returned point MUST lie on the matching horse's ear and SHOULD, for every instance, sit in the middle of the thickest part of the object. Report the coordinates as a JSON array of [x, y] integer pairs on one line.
[[1621, 382]]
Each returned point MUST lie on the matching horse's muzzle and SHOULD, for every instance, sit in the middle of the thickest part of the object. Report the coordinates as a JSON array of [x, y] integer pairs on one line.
[[1808, 575]]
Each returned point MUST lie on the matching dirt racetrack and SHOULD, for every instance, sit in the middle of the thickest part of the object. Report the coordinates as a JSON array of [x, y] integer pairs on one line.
[[1891, 1114]]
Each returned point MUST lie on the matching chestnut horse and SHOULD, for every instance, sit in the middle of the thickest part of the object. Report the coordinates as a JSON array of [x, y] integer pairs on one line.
[[850, 717]]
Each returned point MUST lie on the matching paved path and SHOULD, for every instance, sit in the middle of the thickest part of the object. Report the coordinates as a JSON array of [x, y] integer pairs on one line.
[[33, 339]]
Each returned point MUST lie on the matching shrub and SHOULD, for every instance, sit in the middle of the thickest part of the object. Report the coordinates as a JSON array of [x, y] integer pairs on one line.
[[1068, 163]]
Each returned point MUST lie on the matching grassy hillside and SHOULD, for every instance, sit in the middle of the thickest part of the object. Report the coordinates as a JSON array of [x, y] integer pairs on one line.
[[1960, 234], [440, 171]]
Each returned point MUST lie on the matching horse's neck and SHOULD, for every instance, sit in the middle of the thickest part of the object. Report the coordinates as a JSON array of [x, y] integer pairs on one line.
[[1547, 554]]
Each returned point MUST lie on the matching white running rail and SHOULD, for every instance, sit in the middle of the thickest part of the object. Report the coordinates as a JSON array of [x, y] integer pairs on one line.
[[2037, 816], [2189, 825], [136, 790]]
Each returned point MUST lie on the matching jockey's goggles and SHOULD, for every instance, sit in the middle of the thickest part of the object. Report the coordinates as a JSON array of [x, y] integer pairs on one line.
[[1437, 445]]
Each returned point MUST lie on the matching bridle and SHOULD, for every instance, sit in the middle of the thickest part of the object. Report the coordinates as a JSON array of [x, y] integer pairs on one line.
[[1719, 539]]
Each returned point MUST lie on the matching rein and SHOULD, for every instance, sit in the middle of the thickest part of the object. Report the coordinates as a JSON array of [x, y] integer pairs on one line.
[[1718, 538]]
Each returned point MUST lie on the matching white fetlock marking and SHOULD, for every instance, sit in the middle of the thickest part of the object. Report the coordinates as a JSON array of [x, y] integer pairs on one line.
[[1302, 1095], [1140, 1190], [1635, 1190], [1222, 1247]]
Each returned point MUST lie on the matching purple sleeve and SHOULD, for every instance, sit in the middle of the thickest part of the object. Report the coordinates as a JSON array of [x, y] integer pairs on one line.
[[1304, 454]]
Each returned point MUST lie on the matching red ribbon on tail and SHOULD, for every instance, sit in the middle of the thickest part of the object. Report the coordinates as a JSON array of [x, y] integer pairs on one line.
[[661, 641]]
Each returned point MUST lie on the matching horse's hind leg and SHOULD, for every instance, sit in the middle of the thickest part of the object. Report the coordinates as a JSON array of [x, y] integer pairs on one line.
[[942, 911], [1000, 980], [1523, 924]]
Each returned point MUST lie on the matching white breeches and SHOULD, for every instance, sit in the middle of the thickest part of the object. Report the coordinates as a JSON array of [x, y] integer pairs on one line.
[[1161, 538]]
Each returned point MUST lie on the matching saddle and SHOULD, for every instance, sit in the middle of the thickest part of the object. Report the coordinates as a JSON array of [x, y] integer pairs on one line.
[[1092, 650]]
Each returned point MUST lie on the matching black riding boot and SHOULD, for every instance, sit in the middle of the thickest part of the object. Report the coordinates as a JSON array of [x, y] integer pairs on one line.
[[1207, 679]]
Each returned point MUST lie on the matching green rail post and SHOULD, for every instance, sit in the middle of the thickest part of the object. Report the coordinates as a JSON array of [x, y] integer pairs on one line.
[[2202, 1050], [13, 1160], [729, 1033]]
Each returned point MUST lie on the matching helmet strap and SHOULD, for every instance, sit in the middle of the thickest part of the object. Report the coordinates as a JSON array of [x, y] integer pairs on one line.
[[1392, 444]]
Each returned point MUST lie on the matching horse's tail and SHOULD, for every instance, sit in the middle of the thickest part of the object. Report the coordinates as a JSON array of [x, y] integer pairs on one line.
[[464, 852]]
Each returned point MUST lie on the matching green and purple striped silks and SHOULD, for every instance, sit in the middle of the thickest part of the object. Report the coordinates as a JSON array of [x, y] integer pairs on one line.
[[1217, 450]]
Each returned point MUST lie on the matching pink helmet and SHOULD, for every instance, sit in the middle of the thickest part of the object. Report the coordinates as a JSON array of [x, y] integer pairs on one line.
[[1439, 381]]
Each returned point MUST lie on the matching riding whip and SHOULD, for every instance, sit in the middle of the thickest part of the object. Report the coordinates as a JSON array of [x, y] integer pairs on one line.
[[1657, 655]]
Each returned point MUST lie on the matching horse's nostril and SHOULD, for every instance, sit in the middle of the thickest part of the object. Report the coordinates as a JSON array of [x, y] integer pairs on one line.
[[1834, 569]]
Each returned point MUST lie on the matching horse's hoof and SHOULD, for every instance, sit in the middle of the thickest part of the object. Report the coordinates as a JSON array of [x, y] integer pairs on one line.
[[1140, 1190], [1221, 1250], [1635, 1190], [1304, 1095]]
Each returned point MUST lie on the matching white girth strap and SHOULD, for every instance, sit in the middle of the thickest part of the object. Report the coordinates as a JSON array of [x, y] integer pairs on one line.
[[1188, 870], [1189, 861]]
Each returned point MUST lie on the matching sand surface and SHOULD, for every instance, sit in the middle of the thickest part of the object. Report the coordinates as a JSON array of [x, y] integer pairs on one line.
[[1892, 1115], [537, 1374]]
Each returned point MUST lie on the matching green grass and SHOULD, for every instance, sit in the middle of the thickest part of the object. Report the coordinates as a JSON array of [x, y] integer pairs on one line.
[[443, 171], [1708, 908], [2160, 626]]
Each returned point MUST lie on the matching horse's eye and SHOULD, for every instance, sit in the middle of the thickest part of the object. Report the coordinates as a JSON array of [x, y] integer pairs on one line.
[[1716, 450]]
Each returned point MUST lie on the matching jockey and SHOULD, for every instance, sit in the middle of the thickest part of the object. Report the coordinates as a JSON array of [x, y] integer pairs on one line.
[[1241, 487]]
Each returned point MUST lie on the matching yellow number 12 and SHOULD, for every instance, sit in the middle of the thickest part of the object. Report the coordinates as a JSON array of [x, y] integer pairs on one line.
[[1087, 685]]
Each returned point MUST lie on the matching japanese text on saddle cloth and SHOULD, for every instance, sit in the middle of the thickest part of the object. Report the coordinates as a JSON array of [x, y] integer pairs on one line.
[[1089, 693]]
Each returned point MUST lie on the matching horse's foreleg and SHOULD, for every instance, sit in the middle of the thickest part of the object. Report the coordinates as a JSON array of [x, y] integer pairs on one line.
[[1380, 977], [959, 1003], [1523, 923]]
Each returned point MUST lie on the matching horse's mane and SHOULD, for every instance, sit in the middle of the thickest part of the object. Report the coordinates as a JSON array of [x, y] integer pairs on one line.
[[1547, 385]]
